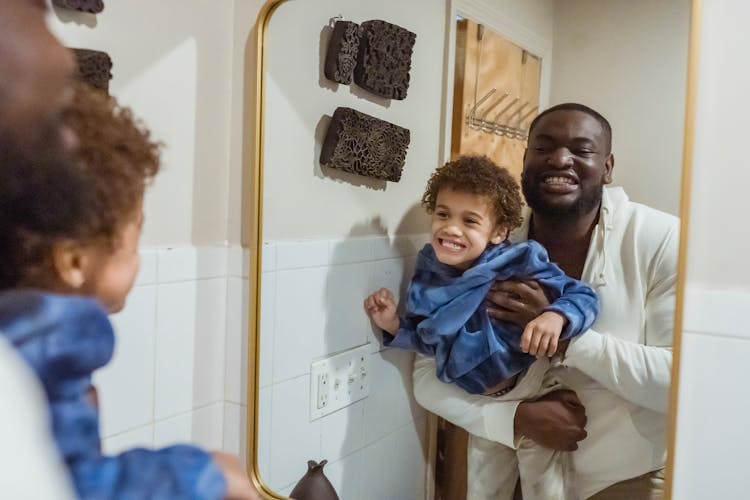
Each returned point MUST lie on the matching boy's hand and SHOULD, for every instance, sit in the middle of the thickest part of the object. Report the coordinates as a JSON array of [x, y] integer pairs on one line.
[[541, 335], [381, 307], [239, 486]]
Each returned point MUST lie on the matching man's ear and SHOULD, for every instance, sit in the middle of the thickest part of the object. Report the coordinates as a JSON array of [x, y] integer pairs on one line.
[[609, 165], [70, 260]]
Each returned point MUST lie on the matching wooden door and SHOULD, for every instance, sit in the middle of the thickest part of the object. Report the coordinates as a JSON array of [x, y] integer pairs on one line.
[[483, 117], [485, 61]]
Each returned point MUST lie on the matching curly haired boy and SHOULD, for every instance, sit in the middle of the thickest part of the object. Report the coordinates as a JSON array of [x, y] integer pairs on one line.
[[474, 204], [63, 331]]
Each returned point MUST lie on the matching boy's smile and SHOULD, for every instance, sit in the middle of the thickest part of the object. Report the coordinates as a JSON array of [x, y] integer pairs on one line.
[[462, 226]]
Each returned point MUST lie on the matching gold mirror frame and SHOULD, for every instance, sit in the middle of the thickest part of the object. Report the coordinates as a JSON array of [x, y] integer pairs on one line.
[[255, 206]]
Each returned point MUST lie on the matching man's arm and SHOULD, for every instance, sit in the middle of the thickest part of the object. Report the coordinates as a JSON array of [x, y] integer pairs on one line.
[[480, 415], [555, 421], [639, 373]]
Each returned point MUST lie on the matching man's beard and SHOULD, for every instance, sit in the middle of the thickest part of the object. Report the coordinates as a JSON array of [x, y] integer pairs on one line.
[[589, 200]]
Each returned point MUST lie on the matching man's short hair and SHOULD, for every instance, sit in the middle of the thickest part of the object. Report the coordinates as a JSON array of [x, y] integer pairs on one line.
[[574, 106]]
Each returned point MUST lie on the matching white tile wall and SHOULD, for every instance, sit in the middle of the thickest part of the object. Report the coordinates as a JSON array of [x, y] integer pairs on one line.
[[390, 404], [190, 345], [714, 311], [300, 321], [202, 426], [712, 438], [166, 380], [126, 384], [147, 271], [265, 405], [346, 475], [235, 428], [297, 254], [179, 372], [317, 310], [346, 324], [142, 437], [342, 432], [268, 327], [235, 386], [712, 419], [294, 439], [190, 263]]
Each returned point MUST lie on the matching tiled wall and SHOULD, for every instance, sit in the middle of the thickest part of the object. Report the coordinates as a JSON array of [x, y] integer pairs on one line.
[[312, 295], [166, 381], [714, 409], [179, 372]]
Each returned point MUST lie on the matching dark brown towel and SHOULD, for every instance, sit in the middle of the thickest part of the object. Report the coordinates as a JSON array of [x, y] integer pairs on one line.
[[384, 59], [365, 145], [341, 57], [94, 67], [92, 6]]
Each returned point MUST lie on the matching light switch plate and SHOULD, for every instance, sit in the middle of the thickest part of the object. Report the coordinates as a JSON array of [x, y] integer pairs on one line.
[[339, 380]]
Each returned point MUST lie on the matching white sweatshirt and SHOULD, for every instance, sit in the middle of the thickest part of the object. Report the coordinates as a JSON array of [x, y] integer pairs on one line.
[[620, 369], [30, 466]]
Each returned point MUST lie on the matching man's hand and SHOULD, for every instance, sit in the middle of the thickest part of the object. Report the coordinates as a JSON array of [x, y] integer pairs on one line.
[[555, 421], [517, 302], [239, 486]]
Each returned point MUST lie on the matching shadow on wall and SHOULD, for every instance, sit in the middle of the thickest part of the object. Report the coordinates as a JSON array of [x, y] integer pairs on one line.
[[389, 416]]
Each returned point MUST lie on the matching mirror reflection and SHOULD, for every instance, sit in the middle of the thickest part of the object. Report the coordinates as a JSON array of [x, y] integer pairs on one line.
[[583, 413]]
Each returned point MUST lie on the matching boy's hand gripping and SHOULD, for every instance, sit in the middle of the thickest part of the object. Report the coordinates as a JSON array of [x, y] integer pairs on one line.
[[541, 335], [381, 308]]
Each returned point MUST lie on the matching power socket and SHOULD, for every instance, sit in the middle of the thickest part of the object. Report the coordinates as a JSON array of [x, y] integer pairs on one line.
[[322, 399], [339, 380]]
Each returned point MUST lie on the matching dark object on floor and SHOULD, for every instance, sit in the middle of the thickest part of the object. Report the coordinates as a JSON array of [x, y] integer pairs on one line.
[[94, 68], [341, 57], [384, 59], [314, 485], [365, 145], [91, 6]]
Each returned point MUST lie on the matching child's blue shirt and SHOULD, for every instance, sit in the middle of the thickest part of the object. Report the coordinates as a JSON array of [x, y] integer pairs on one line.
[[444, 317], [64, 339]]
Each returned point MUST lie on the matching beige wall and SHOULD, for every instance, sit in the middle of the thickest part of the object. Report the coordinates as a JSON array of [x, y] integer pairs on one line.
[[172, 65], [712, 439], [719, 244], [627, 59], [301, 200], [242, 116]]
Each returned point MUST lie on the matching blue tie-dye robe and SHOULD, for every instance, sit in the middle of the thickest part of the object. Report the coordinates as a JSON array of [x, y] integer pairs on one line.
[[444, 316], [64, 339]]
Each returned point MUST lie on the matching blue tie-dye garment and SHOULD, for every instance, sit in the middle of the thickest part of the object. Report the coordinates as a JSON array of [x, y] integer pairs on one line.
[[444, 316], [64, 339]]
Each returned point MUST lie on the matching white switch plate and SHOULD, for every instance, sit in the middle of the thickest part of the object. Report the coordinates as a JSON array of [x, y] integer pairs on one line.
[[339, 380]]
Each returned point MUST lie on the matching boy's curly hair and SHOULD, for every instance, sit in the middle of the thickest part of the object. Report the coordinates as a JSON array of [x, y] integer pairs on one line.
[[115, 158], [480, 176]]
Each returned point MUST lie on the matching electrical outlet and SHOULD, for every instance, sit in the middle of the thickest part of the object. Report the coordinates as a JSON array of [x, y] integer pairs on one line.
[[322, 399], [339, 380]]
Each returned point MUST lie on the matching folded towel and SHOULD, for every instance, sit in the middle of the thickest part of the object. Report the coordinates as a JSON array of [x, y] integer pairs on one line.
[[365, 145]]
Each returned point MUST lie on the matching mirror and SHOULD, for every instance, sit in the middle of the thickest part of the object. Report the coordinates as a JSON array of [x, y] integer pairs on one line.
[[322, 239]]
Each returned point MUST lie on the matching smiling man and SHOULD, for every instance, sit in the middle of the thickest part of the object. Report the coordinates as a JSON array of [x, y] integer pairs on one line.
[[617, 373], [39, 186]]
